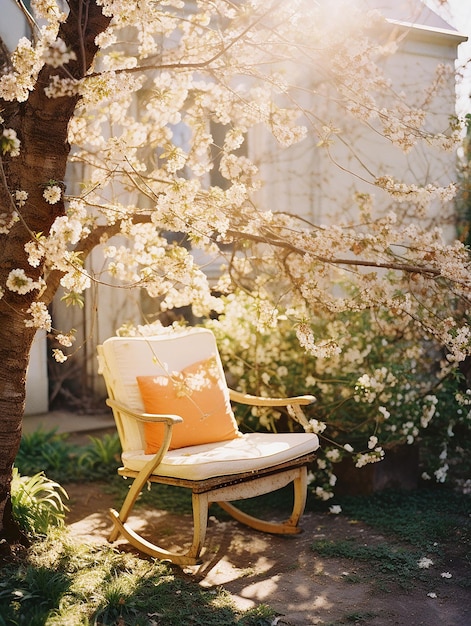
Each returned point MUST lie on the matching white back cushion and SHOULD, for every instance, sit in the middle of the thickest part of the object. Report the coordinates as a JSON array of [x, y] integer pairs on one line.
[[128, 357]]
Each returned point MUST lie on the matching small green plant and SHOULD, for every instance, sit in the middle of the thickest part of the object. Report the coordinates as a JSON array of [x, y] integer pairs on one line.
[[262, 615], [37, 503], [101, 457], [105, 449], [52, 453], [360, 616]]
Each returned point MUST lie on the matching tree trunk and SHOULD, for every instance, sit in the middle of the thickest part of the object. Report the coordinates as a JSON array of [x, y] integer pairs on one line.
[[41, 124], [15, 345]]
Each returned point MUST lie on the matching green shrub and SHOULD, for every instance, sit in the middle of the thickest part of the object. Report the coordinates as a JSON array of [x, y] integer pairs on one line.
[[37, 503], [101, 457], [46, 451]]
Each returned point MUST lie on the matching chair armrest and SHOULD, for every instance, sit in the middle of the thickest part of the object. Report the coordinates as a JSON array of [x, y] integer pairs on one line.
[[155, 458], [145, 417], [245, 398]]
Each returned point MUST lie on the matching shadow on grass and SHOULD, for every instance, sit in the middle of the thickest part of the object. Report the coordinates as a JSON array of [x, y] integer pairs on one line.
[[60, 582]]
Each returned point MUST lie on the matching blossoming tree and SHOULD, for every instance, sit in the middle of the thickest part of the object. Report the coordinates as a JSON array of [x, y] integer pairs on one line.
[[107, 117]]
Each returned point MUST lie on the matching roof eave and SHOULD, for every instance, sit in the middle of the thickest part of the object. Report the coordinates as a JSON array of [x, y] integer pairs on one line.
[[426, 32]]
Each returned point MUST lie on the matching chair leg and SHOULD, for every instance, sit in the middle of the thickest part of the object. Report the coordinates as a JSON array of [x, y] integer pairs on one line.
[[300, 496], [127, 506], [200, 523], [149, 548], [288, 527]]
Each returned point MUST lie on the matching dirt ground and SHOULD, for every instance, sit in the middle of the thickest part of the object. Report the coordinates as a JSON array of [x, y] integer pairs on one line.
[[284, 573]]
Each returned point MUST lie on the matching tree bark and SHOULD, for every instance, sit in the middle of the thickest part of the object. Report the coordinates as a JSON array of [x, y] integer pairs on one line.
[[41, 125]]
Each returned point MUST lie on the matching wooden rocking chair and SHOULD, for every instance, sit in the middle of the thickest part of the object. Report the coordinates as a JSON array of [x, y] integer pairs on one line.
[[172, 410]]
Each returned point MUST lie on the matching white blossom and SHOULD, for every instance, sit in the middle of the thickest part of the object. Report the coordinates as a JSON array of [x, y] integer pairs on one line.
[[372, 442], [385, 413], [59, 87], [333, 455], [19, 282], [52, 194], [59, 356], [441, 473], [40, 317], [35, 252], [6, 221], [317, 427], [323, 494], [65, 340], [21, 196]]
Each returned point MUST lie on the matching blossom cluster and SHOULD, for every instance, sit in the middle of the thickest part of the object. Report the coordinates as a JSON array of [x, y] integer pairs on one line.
[[57, 54], [28, 59], [19, 282], [39, 317], [56, 250]]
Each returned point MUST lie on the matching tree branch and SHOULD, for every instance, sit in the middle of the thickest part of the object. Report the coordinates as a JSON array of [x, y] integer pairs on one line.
[[84, 248], [286, 245], [200, 64], [35, 31]]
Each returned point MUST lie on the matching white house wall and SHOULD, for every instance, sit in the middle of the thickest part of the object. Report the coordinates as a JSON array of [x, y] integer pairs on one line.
[[304, 179], [37, 391]]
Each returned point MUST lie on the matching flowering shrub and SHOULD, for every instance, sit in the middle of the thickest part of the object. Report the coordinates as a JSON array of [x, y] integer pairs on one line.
[[378, 384]]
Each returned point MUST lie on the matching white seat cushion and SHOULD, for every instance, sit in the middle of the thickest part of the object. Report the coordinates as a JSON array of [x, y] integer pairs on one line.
[[252, 452]]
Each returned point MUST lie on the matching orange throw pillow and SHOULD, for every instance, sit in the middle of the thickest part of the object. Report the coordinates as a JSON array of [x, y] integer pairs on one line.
[[199, 396]]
